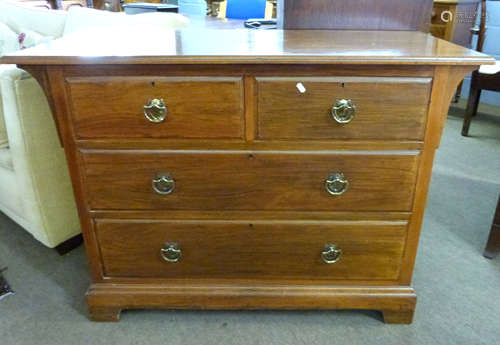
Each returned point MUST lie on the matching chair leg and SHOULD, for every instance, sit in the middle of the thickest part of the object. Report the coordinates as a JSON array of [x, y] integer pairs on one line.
[[471, 109]]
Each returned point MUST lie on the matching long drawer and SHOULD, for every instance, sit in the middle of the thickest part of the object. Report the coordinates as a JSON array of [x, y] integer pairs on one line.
[[312, 108], [252, 249], [244, 180], [157, 107]]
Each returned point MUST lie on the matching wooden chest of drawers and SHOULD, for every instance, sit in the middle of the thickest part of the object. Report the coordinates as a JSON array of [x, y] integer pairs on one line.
[[289, 170]]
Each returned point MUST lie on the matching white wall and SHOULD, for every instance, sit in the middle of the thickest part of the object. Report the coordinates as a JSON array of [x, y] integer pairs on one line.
[[491, 47]]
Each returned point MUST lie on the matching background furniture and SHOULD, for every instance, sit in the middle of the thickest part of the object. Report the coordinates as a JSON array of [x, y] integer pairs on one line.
[[355, 14], [486, 78], [136, 8], [244, 9], [253, 170], [493, 245], [457, 27], [35, 188]]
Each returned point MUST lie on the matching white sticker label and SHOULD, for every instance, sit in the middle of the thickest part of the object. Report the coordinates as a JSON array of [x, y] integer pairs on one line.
[[301, 88]]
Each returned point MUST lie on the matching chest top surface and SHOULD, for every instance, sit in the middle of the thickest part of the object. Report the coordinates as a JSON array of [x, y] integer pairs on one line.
[[248, 47]]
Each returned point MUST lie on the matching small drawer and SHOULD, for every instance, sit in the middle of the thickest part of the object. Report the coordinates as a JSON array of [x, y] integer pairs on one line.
[[342, 108], [252, 249], [244, 180], [157, 107]]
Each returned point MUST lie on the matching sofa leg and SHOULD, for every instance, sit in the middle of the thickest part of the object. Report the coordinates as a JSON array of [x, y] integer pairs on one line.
[[69, 245]]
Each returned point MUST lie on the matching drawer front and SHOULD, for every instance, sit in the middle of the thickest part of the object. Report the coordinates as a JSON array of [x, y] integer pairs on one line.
[[385, 108], [113, 107], [241, 180], [244, 249]]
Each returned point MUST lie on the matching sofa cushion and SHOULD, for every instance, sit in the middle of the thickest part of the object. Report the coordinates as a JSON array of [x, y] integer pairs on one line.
[[4, 142], [46, 22], [28, 38], [8, 43], [8, 40], [490, 69], [6, 159], [80, 18]]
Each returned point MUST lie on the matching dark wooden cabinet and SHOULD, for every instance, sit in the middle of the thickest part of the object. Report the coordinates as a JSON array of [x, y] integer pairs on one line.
[[355, 14]]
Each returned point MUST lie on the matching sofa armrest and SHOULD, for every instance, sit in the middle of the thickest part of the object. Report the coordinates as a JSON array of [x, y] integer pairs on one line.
[[38, 159]]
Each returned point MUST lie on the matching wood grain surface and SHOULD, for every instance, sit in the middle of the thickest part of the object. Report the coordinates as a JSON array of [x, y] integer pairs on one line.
[[197, 107], [386, 108], [262, 47], [247, 250], [265, 180]]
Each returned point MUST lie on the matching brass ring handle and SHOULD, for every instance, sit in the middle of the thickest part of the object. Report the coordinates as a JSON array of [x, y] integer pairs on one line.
[[331, 253], [336, 184], [163, 183], [343, 111], [171, 252], [155, 110]]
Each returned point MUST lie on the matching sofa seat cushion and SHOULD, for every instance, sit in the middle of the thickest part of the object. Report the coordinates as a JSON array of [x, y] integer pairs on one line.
[[490, 69], [6, 159]]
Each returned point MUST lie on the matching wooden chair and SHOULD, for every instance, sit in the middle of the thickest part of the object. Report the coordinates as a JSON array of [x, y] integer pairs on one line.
[[486, 78]]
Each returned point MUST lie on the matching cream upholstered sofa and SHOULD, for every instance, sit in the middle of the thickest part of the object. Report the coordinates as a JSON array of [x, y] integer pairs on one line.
[[35, 188]]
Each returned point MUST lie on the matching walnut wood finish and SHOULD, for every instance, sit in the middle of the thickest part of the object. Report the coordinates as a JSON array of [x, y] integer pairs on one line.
[[125, 215], [234, 180], [239, 249], [355, 14], [386, 108], [264, 47], [196, 107], [107, 300]]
